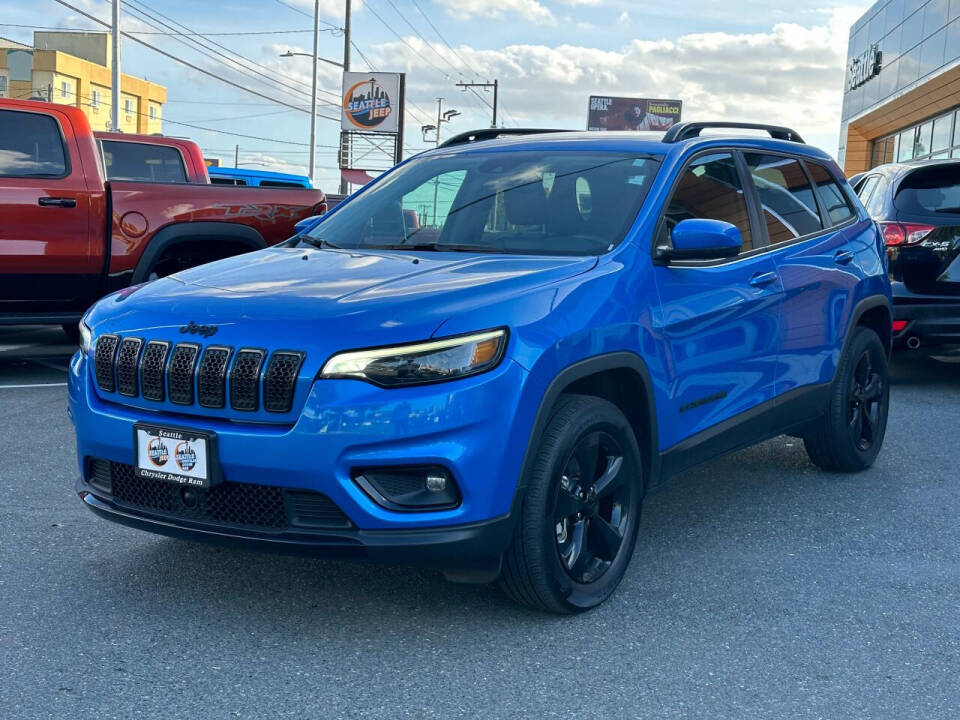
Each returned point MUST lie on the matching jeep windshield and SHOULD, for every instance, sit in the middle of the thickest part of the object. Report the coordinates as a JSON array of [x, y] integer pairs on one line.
[[518, 202]]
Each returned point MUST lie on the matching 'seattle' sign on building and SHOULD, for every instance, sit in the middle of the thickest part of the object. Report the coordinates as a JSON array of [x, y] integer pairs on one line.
[[864, 66]]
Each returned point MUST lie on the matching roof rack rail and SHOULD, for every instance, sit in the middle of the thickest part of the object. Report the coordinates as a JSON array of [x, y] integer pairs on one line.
[[686, 130], [493, 134]]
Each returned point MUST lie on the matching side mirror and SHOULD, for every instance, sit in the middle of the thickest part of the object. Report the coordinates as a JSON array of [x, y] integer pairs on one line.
[[701, 239], [306, 224]]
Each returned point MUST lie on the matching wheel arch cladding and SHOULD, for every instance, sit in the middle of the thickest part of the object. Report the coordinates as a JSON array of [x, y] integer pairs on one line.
[[621, 378], [877, 317], [233, 235]]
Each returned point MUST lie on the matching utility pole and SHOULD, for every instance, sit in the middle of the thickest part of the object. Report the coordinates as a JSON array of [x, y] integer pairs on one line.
[[236, 155], [344, 189], [496, 88], [313, 95], [115, 70], [439, 120]]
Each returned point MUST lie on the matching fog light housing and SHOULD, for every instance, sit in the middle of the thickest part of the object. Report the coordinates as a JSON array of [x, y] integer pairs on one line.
[[409, 488]]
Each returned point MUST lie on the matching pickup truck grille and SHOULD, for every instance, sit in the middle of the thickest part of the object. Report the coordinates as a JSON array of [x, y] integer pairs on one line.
[[186, 374]]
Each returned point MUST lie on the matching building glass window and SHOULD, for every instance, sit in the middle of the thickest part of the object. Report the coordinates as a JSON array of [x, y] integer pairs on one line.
[[933, 139], [128, 107], [64, 89], [3, 84], [153, 112], [95, 99]]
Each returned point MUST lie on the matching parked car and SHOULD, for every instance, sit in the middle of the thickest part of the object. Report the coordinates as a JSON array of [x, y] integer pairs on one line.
[[576, 318], [918, 208], [257, 178], [71, 234]]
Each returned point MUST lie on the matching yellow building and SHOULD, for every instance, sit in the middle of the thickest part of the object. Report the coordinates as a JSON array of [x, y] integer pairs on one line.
[[73, 68]]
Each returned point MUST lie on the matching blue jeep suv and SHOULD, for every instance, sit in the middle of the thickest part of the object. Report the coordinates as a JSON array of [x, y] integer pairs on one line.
[[488, 357]]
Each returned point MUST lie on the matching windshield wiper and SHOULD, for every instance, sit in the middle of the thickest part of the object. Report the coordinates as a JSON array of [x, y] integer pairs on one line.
[[319, 243], [948, 210]]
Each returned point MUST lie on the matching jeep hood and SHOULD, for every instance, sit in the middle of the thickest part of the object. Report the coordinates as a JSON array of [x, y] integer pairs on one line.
[[327, 300]]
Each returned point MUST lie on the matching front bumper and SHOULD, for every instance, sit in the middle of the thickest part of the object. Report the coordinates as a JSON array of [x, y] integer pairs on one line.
[[462, 546], [477, 428]]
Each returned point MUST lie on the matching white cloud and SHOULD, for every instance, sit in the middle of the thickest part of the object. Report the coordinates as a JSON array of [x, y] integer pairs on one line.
[[792, 74], [527, 9], [624, 18]]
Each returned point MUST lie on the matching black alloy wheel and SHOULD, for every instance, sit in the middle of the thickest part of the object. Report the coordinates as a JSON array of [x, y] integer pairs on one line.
[[866, 403], [592, 507], [580, 514], [849, 436]]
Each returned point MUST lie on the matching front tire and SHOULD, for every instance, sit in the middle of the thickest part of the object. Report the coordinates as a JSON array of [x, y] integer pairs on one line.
[[579, 518], [850, 436]]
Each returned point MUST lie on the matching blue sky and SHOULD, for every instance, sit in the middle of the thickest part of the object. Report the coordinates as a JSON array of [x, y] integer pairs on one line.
[[766, 60]]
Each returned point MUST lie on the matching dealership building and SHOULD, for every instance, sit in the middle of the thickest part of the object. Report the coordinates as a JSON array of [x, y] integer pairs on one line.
[[902, 87]]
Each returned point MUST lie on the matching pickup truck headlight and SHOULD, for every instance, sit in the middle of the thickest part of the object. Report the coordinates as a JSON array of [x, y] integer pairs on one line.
[[85, 336], [419, 363]]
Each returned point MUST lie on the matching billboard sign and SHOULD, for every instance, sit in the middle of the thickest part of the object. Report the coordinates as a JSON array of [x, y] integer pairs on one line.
[[372, 102], [620, 113]]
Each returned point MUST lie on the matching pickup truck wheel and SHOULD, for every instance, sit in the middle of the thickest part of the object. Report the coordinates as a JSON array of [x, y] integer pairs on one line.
[[849, 437], [578, 522]]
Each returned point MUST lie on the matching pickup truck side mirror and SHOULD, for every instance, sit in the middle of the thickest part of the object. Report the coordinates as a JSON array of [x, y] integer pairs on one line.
[[701, 239], [308, 223]]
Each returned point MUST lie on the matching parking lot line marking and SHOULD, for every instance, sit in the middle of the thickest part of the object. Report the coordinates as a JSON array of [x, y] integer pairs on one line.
[[30, 385]]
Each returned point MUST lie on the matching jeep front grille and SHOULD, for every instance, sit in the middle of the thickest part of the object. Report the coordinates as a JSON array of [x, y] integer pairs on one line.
[[180, 380], [188, 374], [103, 361], [212, 377]]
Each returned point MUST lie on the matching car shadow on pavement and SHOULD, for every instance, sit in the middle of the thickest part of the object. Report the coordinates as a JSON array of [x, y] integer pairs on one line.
[[916, 370], [309, 599]]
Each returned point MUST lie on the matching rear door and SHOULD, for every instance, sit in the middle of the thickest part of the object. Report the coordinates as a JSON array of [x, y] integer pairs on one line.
[[819, 248], [48, 262], [927, 205], [720, 320]]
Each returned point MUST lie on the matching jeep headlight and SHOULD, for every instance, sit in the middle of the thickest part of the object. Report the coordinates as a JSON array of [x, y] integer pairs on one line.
[[425, 362], [85, 336]]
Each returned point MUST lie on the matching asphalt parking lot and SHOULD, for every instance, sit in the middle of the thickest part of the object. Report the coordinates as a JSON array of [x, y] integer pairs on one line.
[[761, 588]]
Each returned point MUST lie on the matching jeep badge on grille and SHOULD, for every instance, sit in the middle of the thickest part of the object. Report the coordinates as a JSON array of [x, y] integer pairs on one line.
[[194, 329]]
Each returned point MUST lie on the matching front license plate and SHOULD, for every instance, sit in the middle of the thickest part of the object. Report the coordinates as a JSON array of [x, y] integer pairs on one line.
[[184, 457]]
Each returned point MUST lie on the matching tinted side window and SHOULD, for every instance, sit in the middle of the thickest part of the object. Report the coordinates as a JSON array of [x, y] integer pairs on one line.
[[866, 188], [876, 201], [143, 162], [30, 145], [832, 197], [786, 198], [280, 183], [710, 188]]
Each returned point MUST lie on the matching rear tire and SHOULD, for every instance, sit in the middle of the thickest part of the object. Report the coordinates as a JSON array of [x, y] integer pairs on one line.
[[850, 436], [578, 521]]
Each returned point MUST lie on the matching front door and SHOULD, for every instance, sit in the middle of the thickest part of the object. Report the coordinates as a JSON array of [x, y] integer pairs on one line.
[[47, 259], [720, 321]]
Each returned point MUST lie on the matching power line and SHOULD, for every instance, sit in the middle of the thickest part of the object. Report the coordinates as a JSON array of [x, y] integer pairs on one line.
[[157, 32], [186, 63], [133, 5], [309, 15], [442, 38]]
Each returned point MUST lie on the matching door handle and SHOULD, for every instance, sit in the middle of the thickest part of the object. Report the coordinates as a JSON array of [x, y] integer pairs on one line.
[[57, 202], [763, 279], [842, 257]]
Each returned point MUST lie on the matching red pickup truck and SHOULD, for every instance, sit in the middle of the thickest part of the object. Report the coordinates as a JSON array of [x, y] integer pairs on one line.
[[78, 221]]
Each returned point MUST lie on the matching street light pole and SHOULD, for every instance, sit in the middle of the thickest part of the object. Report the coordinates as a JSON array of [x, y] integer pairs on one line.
[[313, 95], [115, 70], [344, 189]]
